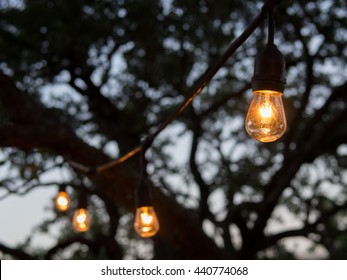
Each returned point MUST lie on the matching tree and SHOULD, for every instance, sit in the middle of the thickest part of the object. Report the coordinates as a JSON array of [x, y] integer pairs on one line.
[[84, 81]]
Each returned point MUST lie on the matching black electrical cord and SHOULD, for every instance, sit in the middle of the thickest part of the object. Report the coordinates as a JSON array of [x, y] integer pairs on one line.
[[271, 28], [266, 10], [143, 192]]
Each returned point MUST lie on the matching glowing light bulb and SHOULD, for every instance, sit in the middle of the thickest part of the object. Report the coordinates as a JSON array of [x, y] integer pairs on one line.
[[81, 220], [62, 201], [266, 120], [146, 223]]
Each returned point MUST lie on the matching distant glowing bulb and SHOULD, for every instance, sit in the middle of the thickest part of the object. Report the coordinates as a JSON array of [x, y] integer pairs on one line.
[[146, 223], [62, 201], [265, 120], [81, 220]]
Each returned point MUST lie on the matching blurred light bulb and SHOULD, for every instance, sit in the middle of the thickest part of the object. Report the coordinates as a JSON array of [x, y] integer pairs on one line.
[[62, 201], [146, 223], [266, 120], [81, 220]]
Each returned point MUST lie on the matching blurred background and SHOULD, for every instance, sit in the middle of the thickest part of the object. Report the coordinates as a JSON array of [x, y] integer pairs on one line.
[[85, 81]]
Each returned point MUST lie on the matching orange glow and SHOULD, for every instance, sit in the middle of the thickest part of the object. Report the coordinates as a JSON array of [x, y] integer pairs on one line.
[[62, 201], [265, 120], [81, 220], [265, 111], [146, 223]]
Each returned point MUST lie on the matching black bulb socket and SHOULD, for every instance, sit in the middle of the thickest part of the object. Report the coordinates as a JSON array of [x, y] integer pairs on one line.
[[269, 70], [82, 201], [143, 195]]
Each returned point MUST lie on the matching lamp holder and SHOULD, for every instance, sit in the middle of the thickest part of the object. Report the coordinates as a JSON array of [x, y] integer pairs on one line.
[[269, 65], [143, 193], [82, 201], [62, 188], [269, 70], [272, 4]]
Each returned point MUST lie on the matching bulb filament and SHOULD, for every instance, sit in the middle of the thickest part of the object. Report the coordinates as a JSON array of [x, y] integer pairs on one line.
[[146, 223], [265, 119]]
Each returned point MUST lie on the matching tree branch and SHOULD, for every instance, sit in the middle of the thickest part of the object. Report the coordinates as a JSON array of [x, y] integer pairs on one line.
[[117, 183], [222, 101], [308, 87], [305, 230], [305, 153], [17, 253], [203, 187], [107, 243]]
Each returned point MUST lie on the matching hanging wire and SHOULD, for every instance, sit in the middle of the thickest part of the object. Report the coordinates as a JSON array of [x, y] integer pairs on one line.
[[143, 193], [271, 28], [209, 74]]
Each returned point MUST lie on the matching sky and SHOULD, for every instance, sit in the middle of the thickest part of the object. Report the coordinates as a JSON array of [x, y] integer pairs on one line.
[[19, 215]]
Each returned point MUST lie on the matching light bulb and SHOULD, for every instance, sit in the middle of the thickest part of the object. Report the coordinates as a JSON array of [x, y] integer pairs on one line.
[[266, 120], [62, 201], [81, 220], [146, 223]]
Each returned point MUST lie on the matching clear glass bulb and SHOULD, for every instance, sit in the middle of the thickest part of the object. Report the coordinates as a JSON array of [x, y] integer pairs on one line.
[[62, 201], [146, 223], [266, 120], [81, 220]]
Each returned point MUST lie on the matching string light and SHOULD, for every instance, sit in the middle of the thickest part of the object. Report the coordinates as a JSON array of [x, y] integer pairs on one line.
[[266, 120], [62, 200], [269, 5], [81, 218], [146, 223]]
